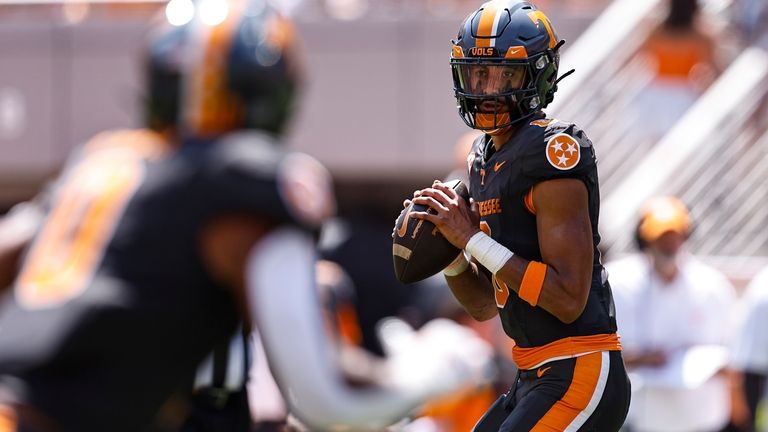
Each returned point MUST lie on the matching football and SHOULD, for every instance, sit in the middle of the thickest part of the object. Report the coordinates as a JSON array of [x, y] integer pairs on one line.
[[419, 250]]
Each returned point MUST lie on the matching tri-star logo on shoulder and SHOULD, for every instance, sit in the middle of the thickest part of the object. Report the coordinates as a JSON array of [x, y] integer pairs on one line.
[[563, 151]]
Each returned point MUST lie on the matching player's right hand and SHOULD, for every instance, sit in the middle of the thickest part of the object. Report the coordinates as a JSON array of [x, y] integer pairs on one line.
[[456, 218]]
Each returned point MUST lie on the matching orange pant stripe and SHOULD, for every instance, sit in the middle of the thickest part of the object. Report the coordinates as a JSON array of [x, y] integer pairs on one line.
[[581, 398]]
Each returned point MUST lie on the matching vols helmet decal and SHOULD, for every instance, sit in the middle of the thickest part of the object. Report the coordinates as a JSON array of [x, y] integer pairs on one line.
[[504, 63], [563, 151]]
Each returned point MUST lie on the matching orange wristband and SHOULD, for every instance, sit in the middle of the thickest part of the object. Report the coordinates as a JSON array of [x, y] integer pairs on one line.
[[533, 281]]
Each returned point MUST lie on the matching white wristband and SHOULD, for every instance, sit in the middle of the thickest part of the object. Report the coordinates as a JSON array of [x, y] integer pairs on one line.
[[488, 252], [458, 266]]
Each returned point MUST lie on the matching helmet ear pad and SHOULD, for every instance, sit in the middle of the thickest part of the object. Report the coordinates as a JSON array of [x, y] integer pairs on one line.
[[161, 104], [545, 79], [163, 77]]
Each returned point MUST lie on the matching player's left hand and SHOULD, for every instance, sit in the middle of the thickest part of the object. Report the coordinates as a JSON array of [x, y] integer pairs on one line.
[[456, 219]]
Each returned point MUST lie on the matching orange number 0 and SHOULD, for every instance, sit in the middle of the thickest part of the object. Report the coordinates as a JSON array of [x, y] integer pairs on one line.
[[65, 255]]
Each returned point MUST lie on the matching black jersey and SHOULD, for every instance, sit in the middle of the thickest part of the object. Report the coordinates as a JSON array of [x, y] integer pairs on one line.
[[500, 182], [113, 308]]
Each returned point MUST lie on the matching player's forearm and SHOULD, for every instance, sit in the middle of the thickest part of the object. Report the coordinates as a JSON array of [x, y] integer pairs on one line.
[[474, 292], [554, 293], [561, 293], [283, 300], [561, 297]]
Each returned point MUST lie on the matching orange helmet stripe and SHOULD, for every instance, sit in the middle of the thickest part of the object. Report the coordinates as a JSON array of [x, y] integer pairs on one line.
[[209, 103], [485, 28]]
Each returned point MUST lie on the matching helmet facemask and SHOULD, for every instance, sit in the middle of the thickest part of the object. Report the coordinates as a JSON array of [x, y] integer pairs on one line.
[[495, 103]]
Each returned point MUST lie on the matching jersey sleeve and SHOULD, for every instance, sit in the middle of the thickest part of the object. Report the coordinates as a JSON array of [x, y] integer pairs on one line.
[[250, 173], [562, 151]]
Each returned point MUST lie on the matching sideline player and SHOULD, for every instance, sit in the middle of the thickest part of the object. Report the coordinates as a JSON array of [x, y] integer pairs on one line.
[[532, 229], [151, 253]]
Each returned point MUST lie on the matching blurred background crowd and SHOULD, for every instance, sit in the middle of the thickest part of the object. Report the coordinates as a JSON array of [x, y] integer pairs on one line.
[[673, 93]]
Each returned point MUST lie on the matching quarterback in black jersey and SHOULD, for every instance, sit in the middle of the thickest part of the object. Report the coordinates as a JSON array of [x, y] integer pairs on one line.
[[531, 229], [159, 241]]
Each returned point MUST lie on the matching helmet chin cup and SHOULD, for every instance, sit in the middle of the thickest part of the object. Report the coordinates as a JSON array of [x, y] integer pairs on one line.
[[492, 122]]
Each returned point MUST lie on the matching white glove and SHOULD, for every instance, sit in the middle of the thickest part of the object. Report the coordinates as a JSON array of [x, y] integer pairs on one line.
[[440, 358]]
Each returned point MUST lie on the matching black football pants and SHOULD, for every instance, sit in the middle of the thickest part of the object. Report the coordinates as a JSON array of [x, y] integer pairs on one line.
[[586, 393]]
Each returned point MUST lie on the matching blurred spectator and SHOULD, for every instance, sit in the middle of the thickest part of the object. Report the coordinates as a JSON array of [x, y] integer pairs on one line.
[[460, 411], [751, 17], [673, 313], [461, 163], [750, 352], [682, 54]]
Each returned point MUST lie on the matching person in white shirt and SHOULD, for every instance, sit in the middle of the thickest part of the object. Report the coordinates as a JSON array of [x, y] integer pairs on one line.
[[674, 316], [749, 358]]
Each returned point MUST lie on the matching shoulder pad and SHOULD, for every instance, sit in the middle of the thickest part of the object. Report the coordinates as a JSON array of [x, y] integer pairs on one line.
[[479, 142], [564, 151], [306, 188], [542, 122], [474, 150], [123, 144], [302, 185]]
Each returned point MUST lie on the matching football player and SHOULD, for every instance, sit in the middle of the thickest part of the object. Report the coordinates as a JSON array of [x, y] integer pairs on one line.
[[157, 244], [531, 229]]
